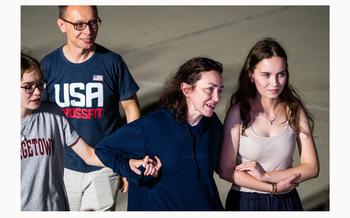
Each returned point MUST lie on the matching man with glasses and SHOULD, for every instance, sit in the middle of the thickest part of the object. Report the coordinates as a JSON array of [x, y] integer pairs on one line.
[[88, 82]]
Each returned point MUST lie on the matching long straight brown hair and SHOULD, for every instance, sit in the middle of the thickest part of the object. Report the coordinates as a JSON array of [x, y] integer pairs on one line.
[[246, 90]]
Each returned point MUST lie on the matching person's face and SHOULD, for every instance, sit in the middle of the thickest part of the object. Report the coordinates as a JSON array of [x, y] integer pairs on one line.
[[270, 77], [82, 39], [205, 94], [31, 90]]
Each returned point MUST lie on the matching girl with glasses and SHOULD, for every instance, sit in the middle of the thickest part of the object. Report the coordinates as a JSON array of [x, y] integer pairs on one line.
[[45, 133]]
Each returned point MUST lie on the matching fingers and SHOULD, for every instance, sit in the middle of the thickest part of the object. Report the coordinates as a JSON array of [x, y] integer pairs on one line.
[[125, 185], [247, 165], [151, 166], [134, 165], [152, 171], [149, 169], [145, 161], [295, 179], [289, 183], [158, 163], [297, 176], [243, 167]]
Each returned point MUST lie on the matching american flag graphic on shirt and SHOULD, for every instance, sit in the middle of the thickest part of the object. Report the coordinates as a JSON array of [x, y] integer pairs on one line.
[[97, 78]]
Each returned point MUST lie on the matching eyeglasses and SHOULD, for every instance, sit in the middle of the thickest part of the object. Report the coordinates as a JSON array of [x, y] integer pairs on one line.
[[30, 88], [80, 26]]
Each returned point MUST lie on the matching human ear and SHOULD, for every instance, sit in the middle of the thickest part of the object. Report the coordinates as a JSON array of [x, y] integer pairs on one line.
[[250, 74], [61, 25], [186, 89]]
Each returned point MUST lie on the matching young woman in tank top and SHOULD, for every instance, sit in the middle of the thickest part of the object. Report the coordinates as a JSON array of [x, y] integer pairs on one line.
[[265, 122]]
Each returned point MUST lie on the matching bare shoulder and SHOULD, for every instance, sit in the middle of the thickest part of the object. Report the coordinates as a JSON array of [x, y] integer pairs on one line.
[[234, 111], [302, 116], [233, 115], [304, 121]]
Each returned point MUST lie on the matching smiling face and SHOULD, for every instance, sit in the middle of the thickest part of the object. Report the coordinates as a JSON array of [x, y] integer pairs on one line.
[[270, 77], [204, 95], [80, 39], [30, 101]]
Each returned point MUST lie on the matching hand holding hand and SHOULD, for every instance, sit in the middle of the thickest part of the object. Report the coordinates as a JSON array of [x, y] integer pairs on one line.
[[151, 167], [135, 164]]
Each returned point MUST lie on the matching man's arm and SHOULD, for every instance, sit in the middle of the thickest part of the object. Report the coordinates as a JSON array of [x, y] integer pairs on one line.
[[131, 108]]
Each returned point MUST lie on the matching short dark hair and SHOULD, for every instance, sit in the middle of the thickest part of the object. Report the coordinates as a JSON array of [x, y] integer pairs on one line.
[[190, 72], [63, 8]]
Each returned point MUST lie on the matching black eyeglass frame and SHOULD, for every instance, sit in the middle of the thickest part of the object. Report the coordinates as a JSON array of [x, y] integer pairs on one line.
[[90, 23], [41, 85]]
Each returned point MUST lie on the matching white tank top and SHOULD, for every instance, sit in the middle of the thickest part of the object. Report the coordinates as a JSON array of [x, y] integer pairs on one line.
[[273, 153]]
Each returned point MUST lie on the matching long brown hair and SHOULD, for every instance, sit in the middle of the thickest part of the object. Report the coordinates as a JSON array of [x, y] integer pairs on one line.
[[246, 90], [190, 72]]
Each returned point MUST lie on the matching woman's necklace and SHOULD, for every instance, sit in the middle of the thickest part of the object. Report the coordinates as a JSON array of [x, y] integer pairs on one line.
[[25, 131], [275, 117]]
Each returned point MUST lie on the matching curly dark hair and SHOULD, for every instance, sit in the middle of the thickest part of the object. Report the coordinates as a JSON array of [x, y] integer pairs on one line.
[[190, 72]]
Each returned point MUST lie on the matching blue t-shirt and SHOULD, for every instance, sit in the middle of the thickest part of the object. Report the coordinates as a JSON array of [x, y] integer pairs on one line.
[[189, 156], [89, 94]]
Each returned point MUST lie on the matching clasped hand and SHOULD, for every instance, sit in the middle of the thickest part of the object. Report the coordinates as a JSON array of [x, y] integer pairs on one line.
[[254, 169], [151, 166]]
